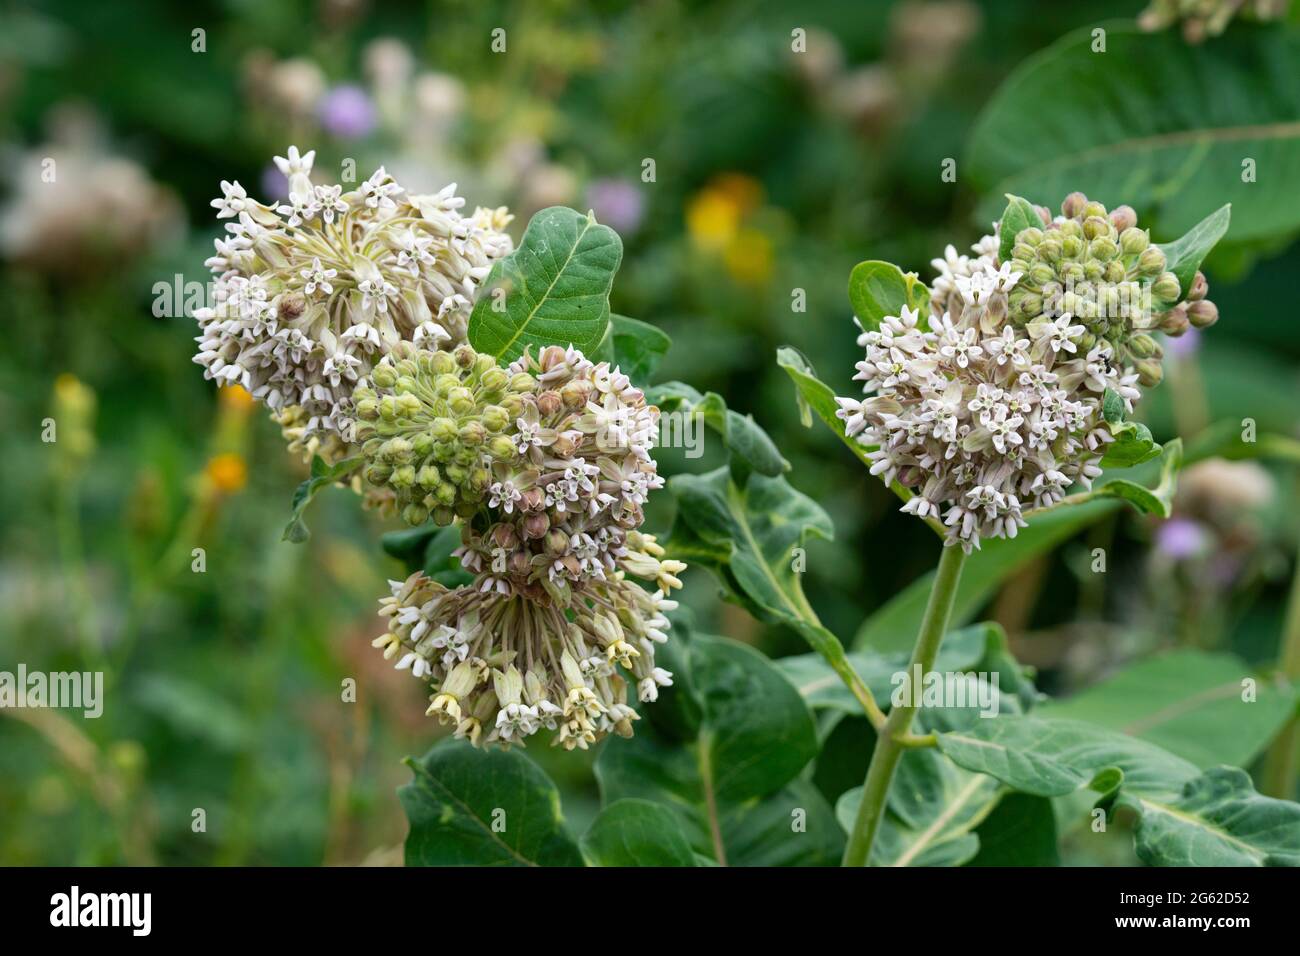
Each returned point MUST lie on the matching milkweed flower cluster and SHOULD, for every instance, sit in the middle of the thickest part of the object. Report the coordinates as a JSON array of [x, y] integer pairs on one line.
[[310, 294], [992, 405], [547, 463]]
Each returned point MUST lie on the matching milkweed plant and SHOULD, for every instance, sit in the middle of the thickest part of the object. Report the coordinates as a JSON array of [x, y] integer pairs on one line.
[[480, 395]]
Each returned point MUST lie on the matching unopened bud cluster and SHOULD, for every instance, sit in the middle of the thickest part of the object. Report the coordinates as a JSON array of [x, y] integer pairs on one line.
[[547, 463], [312, 293], [1208, 18], [994, 405], [433, 424]]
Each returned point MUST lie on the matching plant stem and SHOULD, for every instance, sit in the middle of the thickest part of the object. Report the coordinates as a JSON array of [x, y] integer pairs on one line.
[[889, 740], [1279, 777]]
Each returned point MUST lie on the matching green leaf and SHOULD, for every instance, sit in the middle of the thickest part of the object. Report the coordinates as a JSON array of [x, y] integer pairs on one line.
[[879, 289], [817, 396], [322, 476], [1051, 757], [1141, 125], [1190, 703], [635, 832], [1021, 831], [1019, 215], [732, 781], [748, 445], [1183, 256], [556, 287], [1218, 820], [746, 536], [470, 807], [638, 347], [933, 808], [894, 625], [429, 548], [1133, 444], [821, 688], [1153, 501]]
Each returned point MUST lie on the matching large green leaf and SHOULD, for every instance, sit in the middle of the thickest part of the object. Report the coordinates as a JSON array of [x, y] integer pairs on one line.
[[1142, 123], [483, 808], [1021, 831], [636, 833], [879, 289], [1218, 820], [1190, 703], [637, 346], [749, 447], [894, 625], [822, 688], [1185, 254], [556, 287], [1184, 817], [732, 782]]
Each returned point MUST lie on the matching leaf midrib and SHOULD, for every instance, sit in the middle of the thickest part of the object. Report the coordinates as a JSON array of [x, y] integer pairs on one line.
[[426, 778], [573, 250]]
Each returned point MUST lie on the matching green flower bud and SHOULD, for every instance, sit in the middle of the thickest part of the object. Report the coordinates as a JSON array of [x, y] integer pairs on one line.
[[1094, 210], [1200, 288], [455, 473], [1151, 262], [443, 384], [403, 477], [396, 450], [443, 430], [428, 477], [1071, 227], [407, 405], [388, 408], [422, 444], [368, 408], [1072, 247], [1041, 274], [465, 356], [407, 367], [1095, 226], [1143, 346], [445, 494], [522, 382], [415, 514], [1104, 248], [1166, 288], [1030, 236], [384, 376], [1021, 251], [1150, 372], [1049, 250], [441, 363], [378, 473], [1134, 240], [461, 400], [501, 448], [1115, 271], [473, 433], [495, 379], [443, 516], [495, 418]]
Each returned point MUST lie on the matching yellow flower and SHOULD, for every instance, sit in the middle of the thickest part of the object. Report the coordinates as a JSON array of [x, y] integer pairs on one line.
[[228, 473], [236, 399], [712, 218]]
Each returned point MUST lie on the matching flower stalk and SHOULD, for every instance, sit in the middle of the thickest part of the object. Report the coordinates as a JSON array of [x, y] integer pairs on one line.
[[894, 738]]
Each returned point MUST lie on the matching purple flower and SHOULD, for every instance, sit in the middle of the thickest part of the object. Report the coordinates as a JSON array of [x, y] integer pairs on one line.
[[617, 202], [275, 185], [1181, 538], [346, 112], [1185, 345]]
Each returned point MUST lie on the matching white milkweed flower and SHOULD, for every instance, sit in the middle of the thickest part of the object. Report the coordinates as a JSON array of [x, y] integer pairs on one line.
[[992, 406], [311, 294], [550, 495]]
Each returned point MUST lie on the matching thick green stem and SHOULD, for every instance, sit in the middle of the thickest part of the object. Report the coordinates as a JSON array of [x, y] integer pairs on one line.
[[890, 740], [1279, 778]]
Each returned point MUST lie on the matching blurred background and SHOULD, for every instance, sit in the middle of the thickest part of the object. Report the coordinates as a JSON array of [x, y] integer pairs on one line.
[[774, 172]]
